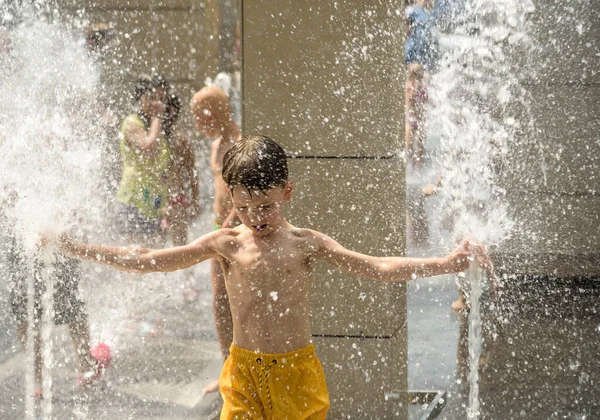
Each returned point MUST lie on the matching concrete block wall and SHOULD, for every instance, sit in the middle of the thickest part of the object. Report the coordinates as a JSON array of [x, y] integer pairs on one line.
[[177, 38]]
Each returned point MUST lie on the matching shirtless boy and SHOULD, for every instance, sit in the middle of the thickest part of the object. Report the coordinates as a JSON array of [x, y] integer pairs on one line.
[[272, 371], [213, 118]]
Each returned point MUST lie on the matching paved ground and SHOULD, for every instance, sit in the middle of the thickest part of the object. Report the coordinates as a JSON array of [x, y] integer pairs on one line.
[[164, 350], [539, 355]]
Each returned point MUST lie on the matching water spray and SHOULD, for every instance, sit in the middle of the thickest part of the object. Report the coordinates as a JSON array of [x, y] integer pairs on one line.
[[476, 279]]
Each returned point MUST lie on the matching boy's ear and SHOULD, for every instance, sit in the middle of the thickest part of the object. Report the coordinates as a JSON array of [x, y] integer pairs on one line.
[[288, 188]]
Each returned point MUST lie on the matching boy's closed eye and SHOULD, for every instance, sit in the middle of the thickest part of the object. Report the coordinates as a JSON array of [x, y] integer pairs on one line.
[[263, 207]]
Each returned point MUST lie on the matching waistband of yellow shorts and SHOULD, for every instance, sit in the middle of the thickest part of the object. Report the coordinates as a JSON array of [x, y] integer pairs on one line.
[[290, 357]]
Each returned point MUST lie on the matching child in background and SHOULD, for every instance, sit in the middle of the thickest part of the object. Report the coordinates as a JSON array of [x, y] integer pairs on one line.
[[146, 156], [182, 181], [213, 118], [415, 97], [272, 370]]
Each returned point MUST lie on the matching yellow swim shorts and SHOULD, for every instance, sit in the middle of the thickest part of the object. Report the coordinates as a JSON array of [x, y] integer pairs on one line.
[[273, 386]]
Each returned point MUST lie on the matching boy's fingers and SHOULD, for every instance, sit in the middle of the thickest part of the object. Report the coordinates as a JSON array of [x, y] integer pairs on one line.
[[484, 259]]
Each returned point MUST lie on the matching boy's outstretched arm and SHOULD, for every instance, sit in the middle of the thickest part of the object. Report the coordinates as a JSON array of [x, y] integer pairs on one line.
[[389, 269], [141, 260]]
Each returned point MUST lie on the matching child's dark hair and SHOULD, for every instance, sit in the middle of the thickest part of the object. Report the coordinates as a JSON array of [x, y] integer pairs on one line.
[[256, 163], [149, 83], [145, 83], [173, 111]]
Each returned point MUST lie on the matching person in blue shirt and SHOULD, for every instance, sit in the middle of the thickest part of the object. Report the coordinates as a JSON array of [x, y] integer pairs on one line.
[[421, 43]]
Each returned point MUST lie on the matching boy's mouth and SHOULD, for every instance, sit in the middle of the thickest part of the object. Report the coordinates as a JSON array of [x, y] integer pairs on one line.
[[259, 228]]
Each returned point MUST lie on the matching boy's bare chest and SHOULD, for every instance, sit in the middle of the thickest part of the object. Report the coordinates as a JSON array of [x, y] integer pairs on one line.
[[273, 278], [254, 259], [278, 261]]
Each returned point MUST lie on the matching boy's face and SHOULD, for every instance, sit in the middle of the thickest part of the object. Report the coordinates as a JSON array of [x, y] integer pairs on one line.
[[261, 211]]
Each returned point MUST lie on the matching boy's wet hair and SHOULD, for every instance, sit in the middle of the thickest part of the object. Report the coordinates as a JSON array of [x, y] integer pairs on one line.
[[255, 162]]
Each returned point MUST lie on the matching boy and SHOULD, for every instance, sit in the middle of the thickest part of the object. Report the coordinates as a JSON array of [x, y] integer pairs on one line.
[[272, 370], [212, 115], [213, 118]]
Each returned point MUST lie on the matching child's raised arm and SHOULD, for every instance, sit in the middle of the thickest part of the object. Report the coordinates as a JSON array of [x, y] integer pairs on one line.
[[142, 260], [389, 269]]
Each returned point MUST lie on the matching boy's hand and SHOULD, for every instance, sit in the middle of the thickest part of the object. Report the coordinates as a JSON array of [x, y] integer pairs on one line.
[[458, 260], [53, 239], [478, 252]]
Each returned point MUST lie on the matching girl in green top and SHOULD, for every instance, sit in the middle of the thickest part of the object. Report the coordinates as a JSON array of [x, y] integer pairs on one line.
[[146, 157]]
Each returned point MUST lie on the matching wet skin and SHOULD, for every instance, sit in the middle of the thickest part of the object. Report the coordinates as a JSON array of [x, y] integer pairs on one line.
[[268, 272]]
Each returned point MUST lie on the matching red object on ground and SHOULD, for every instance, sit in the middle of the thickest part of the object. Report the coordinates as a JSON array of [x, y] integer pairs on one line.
[[101, 352]]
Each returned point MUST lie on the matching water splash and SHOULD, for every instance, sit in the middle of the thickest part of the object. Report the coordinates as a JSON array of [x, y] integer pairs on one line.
[[475, 338], [473, 98], [47, 259], [50, 145]]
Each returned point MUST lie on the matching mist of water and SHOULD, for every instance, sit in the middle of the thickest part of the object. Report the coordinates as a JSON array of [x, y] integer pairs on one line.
[[50, 147], [470, 98], [51, 139]]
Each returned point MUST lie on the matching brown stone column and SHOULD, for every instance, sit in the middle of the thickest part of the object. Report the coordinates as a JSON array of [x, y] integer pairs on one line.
[[325, 79]]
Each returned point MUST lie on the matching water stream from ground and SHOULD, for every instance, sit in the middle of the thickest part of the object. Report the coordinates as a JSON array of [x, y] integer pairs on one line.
[[472, 108]]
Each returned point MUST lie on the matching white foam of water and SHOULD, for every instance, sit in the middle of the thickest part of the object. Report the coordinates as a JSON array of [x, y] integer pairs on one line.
[[50, 146], [475, 338], [470, 98], [47, 258]]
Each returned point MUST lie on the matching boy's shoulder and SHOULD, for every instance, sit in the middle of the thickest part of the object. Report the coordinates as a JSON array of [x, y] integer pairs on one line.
[[310, 237], [227, 233], [302, 232], [219, 235]]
